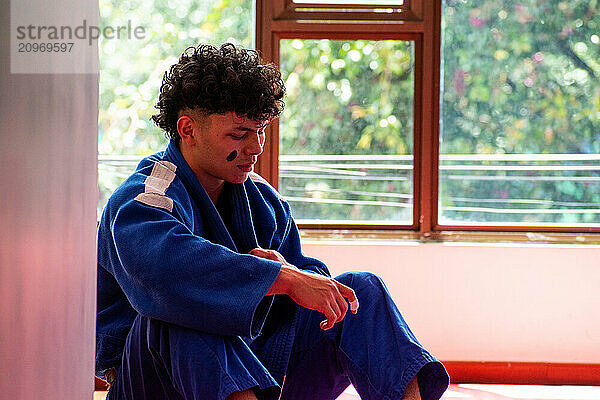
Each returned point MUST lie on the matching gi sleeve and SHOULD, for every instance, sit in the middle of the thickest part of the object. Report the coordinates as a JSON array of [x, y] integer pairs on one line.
[[170, 274], [291, 249]]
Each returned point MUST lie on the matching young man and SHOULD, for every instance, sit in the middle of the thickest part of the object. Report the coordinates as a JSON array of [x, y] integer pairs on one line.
[[203, 290]]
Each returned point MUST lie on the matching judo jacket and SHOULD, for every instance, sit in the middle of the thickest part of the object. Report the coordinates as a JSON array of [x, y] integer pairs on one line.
[[165, 252]]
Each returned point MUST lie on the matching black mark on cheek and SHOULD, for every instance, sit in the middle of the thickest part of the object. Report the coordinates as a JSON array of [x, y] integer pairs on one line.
[[232, 156]]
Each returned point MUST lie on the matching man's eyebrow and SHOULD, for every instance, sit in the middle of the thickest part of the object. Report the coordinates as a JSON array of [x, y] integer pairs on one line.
[[243, 129], [249, 128]]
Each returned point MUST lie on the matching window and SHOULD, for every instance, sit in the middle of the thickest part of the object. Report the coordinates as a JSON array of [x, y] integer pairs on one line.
[[520, 113], [401, 114], [346, 135], [503, 114]]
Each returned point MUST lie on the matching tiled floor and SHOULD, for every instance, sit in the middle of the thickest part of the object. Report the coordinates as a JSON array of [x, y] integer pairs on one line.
[[523, 392], [493, 392], [508, 392]]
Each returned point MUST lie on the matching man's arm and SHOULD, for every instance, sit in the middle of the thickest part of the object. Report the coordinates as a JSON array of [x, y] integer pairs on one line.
[[173, 275], [316, 292], [286, 238], [305, 279], [291, 249]]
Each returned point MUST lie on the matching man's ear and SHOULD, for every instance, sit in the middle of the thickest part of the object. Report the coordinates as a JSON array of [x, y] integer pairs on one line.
[[185, 128]]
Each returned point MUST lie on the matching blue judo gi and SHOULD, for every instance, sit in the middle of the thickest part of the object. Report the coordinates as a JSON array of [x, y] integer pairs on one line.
[[182, 312]]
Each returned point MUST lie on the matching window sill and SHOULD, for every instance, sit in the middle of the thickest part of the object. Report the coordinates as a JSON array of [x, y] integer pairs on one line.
[[385, 236]]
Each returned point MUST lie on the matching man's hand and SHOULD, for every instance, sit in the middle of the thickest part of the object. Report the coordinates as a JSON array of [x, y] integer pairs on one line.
[[312, 291], [270, 255]]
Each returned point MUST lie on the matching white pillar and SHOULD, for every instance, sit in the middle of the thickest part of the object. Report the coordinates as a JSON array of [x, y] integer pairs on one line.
[[48, 196]]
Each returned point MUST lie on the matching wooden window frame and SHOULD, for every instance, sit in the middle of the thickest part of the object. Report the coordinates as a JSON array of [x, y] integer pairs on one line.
[[415, 20]]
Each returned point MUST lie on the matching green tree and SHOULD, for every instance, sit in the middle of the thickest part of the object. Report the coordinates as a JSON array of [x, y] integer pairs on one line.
[[347, 98], [522, 77], [131, 71], [518, 77]]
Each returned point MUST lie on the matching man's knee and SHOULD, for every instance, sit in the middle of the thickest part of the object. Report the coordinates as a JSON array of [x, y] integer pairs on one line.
[[247, 394], [369, 288], [360, 281]]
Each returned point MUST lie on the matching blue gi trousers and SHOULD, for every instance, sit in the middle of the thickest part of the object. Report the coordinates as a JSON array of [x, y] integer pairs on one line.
[[374, 350]]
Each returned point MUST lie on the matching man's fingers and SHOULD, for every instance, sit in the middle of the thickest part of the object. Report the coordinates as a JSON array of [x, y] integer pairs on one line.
[[350, 295], [354, 306], [262, 253], [343, 305], [330, 318], [256, 252], [337, 311], [327, 324]]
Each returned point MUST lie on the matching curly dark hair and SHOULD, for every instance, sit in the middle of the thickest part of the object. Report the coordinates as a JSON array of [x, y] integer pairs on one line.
[[219, 80]]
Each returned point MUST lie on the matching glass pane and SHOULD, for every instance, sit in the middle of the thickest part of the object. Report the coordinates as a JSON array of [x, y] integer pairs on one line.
[[520, 118], [353, 2], [131, 71], [346, 135]]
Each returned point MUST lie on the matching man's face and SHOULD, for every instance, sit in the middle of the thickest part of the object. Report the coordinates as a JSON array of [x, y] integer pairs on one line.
[[225, 147]]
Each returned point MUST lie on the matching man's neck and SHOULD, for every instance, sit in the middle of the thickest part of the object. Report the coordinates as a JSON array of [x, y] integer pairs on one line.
[[213, 188], [212, 185]]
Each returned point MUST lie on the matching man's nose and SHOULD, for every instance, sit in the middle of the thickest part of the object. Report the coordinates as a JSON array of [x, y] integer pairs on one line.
[[255, 144]]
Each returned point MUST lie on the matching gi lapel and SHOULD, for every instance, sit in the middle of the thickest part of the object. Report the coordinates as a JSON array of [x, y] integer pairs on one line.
[[210, 216], [241, 221]]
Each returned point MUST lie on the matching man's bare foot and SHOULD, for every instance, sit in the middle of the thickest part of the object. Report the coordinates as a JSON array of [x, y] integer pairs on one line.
[[412, 390], [247, 394]]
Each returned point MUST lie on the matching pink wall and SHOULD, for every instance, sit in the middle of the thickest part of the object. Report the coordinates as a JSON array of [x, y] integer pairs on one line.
[[538, 303], [48, 196]]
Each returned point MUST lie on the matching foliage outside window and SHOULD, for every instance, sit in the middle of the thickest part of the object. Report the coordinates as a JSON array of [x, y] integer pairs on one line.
[[519, 126], [346, 135], [131, 71], [520, 112]]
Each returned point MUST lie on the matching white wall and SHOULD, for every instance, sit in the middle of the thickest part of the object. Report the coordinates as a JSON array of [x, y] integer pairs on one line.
[[537, 303], [48, 196]]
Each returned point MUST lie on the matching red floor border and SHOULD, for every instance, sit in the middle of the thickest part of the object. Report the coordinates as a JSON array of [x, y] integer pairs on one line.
[[526, 373], [530, 373]]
